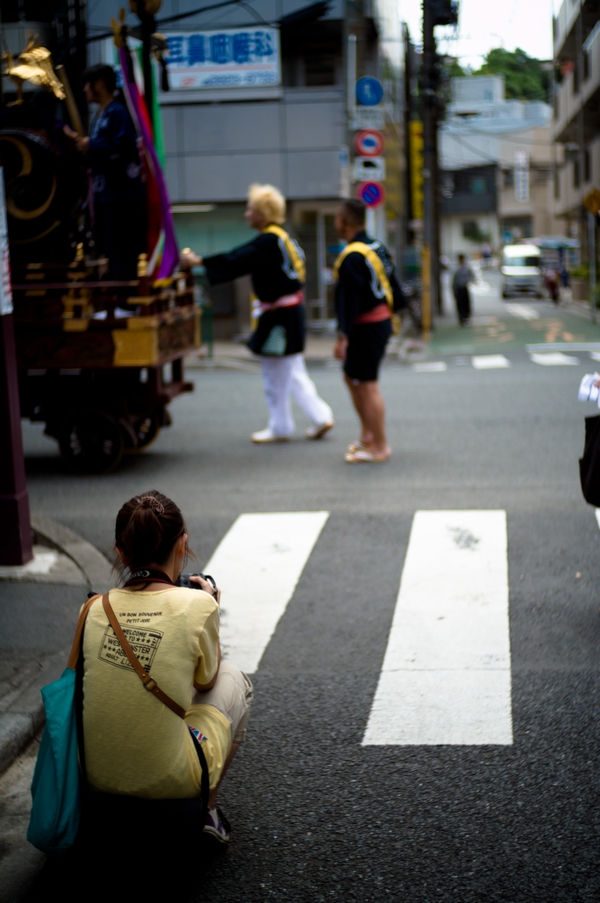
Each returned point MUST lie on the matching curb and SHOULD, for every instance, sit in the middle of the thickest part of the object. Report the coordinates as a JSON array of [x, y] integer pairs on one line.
[[92, 563], [23, 720]]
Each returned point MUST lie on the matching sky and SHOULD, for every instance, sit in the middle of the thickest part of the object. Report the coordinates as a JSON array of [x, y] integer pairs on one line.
[[518, 23]]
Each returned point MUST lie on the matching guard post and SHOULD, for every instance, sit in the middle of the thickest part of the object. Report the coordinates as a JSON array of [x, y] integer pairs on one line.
[[15, 525]]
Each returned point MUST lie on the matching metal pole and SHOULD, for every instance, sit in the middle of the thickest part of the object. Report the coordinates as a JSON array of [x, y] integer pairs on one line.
[[430, 301], [592, 243], [16, 546], [351, 76]]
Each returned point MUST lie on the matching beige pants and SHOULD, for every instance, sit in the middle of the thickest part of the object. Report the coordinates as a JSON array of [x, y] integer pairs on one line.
[[232, 695]]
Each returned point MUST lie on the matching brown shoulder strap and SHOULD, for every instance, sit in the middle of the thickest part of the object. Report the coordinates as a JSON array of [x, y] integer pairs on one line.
[[76, 647], [148, 681]]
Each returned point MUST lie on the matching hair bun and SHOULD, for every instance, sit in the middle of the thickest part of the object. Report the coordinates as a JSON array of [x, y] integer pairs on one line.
[[149, 501]]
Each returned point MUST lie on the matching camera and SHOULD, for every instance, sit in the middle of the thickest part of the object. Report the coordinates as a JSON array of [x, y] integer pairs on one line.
[[184, 580]]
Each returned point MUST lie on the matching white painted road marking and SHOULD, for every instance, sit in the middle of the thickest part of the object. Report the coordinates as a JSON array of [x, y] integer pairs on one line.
[[522, 311], [430, 367], [446, 673], [257, 565], [554, 359], [490, 361]]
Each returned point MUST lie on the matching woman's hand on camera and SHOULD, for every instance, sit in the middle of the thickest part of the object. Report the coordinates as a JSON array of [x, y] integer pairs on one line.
[[207, 587]]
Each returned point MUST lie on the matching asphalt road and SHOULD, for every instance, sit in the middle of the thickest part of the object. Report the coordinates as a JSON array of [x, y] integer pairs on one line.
[[316, 815]]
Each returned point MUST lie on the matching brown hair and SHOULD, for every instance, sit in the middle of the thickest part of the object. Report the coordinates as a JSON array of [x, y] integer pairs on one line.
[[147, 528], [354, 211]]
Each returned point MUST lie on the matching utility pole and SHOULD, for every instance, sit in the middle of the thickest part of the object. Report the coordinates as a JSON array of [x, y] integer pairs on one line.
[[15, 525], [435, 12]]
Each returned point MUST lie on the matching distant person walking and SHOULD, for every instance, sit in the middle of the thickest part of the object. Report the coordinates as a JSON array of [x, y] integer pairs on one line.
[[460, 287], [275, 263], [366, 293]]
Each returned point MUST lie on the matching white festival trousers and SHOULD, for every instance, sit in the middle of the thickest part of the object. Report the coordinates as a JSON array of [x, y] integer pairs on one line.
[[285, 378]]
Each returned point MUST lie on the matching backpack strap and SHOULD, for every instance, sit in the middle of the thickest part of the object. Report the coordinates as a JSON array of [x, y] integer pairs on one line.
[[148, 681], [290, 246], [361, 247]]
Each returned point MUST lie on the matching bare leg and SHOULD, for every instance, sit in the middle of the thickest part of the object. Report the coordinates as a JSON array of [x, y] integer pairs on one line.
[[212, 797], [366, 436], [370, 408]]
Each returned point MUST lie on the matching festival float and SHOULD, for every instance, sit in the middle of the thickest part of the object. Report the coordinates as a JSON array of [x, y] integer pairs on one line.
[[99, 360]]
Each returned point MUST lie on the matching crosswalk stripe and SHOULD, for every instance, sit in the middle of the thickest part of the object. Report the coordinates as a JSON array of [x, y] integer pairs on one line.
[[490, 361], [446, 675], [522, 311], [257, 565], [554, 359]]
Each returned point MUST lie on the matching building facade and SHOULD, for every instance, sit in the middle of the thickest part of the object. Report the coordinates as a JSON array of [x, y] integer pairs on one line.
[[576, 121], [496, 157]]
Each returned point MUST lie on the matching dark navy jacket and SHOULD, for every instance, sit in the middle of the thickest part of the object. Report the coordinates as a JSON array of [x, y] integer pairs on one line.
[[357, 289], [113, 156], [265, 260]]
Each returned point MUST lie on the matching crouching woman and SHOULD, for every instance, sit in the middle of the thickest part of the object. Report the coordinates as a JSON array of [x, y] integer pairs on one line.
[[134, 744]]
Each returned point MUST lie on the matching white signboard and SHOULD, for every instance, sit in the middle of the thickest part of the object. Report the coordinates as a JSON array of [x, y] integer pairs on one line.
[[369, 169], [228, 58], [368, 118], [6, 305], [522, 176]]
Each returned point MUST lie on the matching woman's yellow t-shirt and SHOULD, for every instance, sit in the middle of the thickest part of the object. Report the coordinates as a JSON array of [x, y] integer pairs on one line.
[[134, 744]]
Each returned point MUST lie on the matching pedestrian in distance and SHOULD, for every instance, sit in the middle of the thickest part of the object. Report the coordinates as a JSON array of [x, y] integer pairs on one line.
[[119, 189], [366, 294], [276, 265], [134, 745], [460, 288]]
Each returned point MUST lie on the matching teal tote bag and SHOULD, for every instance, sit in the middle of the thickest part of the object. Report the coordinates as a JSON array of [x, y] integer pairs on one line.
[[55, 810]]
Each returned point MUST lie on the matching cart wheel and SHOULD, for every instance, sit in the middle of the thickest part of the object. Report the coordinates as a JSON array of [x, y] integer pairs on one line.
[[146, 428], [91, 442]]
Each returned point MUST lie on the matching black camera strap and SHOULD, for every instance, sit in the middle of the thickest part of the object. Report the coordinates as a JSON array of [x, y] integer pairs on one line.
[[148, 575]]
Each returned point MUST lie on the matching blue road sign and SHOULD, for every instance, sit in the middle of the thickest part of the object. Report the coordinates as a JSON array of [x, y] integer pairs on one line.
[[372, 193], [369, 91]]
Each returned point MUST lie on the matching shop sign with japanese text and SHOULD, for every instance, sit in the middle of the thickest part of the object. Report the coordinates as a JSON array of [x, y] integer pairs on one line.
[[227, 58]]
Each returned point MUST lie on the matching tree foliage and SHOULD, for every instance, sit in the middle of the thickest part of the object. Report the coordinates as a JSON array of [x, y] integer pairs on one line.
[[524, 77]]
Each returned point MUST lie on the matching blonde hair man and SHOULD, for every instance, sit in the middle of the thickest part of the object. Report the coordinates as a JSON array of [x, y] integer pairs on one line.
[[275, 263]]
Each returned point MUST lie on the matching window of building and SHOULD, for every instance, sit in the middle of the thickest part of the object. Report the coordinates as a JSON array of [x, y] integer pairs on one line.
[[576, 174], [586, 65], [319, 67], [508, 179], [557, 186], [576, 77]]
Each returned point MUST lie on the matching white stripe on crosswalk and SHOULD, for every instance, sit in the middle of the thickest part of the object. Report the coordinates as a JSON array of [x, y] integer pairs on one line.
[[446, 673], [554, 359], [257, 565], [490, 362], [522, 311]]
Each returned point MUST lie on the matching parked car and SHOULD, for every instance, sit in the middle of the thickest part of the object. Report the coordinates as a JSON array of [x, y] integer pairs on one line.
[[522, 270]]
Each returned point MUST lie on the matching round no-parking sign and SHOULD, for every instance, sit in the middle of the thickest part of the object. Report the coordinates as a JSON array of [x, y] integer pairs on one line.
[[372, 193], [369, 143]]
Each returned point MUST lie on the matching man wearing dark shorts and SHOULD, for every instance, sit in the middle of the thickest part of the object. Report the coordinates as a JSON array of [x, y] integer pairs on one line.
[[366, 293]]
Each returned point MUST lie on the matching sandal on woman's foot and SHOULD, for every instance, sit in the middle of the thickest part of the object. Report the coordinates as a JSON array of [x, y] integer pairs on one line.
[[357, 446], [363, 456]]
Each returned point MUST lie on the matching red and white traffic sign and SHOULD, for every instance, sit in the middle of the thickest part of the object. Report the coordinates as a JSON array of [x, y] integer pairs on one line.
[[372, 193], [369, 143]]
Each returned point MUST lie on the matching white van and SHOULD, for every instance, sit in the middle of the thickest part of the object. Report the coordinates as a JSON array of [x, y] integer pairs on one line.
[[522, 270]]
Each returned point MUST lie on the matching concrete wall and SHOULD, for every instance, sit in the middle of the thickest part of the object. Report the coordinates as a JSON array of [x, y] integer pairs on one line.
[[214, 151]]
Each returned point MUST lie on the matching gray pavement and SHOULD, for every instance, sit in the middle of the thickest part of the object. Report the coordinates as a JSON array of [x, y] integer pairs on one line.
[[317, 816]]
